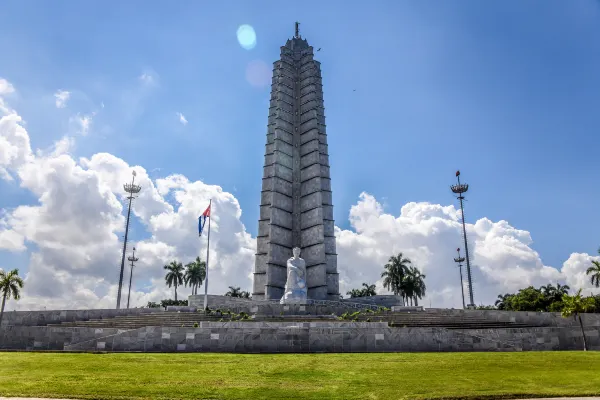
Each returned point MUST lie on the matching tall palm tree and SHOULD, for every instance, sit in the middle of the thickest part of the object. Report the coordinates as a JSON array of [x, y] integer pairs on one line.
[[594, 271], [368, 290], [234, 292], [419, 287], [548, 291], [195, 273], [174, 276], [562, 289], [10, 286], [574, 306], [394, 272], [503, 301], [407, 286]]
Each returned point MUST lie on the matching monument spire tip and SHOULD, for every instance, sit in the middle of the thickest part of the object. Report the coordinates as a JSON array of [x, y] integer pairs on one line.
[[297, 30]]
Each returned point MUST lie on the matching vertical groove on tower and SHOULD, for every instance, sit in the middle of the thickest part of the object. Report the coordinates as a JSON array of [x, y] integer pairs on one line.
[[296, 201]]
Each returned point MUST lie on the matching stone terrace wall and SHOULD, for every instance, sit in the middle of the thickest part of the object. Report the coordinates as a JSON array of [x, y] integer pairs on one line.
[[217, 301], [40, 318], [379, 300], [525, 317], [248, 337], [48, 338], [271, 307]]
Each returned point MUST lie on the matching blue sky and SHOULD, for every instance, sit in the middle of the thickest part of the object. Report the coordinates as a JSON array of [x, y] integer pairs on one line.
[[507, 92]]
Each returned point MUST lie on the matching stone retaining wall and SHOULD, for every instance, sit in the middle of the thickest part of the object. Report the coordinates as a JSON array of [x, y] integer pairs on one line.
[[378, 300], [523, 317], [285, 337], [48, 338], [274, 308], [40, 318]]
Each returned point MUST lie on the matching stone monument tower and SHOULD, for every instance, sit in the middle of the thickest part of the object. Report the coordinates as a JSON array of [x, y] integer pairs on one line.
[[296, 204]]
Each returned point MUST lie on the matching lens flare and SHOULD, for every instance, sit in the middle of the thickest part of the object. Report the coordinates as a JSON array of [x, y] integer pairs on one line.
[[258, 74], [246, 37]]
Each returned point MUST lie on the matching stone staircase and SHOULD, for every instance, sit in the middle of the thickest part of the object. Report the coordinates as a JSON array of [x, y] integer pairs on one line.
[[424, 320], [418, 319]]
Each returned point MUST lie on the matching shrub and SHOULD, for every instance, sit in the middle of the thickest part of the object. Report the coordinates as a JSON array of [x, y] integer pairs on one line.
[[169, 302], [196, 325]]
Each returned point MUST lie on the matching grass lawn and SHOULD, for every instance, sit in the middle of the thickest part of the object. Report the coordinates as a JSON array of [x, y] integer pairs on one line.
[[300, 376]]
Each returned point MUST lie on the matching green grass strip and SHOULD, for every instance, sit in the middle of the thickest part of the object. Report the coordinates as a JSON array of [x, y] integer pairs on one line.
[[300, 376]]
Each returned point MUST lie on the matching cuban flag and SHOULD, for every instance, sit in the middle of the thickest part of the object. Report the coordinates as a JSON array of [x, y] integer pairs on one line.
[[202, 220]]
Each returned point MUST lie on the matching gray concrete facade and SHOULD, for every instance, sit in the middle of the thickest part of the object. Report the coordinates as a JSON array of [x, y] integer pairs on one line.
[[262, 307], [549, 331], [296, 208], [297, 337], [40, 318]]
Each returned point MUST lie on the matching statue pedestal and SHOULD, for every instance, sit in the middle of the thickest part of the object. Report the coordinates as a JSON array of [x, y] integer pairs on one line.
[[297, 296]]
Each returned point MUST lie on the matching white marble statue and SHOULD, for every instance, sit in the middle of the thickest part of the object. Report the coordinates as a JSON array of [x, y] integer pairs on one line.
[[295, 286]]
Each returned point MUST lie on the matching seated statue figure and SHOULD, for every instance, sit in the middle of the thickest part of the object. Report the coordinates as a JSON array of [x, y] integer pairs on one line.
[[295, 286]]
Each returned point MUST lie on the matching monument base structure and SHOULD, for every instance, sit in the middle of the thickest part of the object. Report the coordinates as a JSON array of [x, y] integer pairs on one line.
[[279, 328]]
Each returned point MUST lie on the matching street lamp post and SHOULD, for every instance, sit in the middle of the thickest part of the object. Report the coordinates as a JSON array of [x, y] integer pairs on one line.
[[133, 259], [460, 189], [461, 260], [132, 189]]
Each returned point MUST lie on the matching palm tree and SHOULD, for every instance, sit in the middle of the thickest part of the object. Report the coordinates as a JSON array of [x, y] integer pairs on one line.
[[368, 290], [503, 301], [574, 306], [562, 290], [594, 271], [234, 292], [195, 273], [175, 275], [407, 286], [10, 286], [419, 287], [548, 291], [394, 272]]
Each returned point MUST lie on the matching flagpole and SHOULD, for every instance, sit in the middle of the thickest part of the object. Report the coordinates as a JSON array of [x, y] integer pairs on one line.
[[207, 254]]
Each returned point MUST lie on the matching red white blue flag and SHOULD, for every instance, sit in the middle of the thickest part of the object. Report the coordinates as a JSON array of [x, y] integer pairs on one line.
[[202, 220]]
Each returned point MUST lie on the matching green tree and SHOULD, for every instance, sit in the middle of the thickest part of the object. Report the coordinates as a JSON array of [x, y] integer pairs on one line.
[[195, 273], [367, 290], [394, 272], [594, 273], [174, 276], [234, 292], [574, 306], [552, 296], [408, 286], [10, 286], [418, 284], [529, 299], [504, 301]]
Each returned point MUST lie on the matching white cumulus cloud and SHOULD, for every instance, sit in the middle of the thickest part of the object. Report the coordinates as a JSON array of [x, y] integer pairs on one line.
[[61, 98], [82, 123], [74, 229], [147, 78], [182, 118]]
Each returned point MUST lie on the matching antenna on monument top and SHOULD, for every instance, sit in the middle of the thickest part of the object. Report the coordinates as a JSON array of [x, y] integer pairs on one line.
[[297, 29]]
